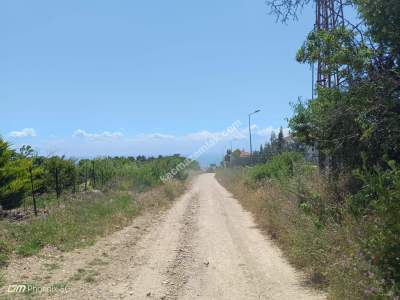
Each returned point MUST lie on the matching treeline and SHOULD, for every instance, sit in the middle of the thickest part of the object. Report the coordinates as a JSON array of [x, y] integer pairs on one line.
[[25, 175], [277, 144]]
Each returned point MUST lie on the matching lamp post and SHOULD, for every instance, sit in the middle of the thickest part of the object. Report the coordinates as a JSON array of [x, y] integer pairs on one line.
[[251, 146]]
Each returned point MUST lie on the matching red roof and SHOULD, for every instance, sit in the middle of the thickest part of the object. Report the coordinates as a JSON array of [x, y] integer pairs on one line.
[[244, 154]]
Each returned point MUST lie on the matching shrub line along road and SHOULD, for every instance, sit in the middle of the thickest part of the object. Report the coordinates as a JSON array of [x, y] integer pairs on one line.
[[205, 247]]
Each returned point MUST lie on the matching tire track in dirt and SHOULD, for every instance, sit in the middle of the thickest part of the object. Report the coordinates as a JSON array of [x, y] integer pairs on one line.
[[204, 247], [178, 272]]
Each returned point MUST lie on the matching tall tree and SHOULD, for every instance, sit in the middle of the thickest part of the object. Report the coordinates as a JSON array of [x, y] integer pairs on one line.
[[280, 141], [12, 177]]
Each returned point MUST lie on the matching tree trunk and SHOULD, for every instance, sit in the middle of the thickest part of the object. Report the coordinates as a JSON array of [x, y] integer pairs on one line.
[[94, 175], [58, 192], [86, 177], [33, 193]]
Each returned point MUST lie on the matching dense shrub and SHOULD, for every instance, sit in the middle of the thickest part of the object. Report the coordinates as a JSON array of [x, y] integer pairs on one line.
[[11, 178], [378, 201], [280, 167]]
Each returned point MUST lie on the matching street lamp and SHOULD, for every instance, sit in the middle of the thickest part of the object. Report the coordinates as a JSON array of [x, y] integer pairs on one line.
[[251, 146]]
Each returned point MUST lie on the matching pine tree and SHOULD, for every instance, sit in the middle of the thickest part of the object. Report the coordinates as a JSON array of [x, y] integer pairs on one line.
[[281, 141], [12, 177]]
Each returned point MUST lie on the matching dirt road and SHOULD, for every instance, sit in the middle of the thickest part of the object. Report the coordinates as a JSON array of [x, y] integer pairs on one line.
[[205, 247]]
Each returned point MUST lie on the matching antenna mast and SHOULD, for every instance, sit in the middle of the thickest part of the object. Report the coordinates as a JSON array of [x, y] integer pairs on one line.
[[329, 16]]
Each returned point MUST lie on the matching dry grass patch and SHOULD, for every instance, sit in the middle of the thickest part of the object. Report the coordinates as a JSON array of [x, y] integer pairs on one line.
[[328, 252]]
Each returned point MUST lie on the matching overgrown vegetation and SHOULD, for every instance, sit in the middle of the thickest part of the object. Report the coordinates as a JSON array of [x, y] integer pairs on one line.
[[342, 250], [75, 202], [81, 221]]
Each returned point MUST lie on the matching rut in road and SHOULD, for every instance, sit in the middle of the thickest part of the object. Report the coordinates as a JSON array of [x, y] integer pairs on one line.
[[205, 247]]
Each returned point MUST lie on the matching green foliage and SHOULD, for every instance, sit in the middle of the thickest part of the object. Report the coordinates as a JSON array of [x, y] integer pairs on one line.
[[330, 123], [5, 249], [355, 126], [236, 153], [60, 174], [12, 177], [280, 141], [276, 145], [281, 167], [335, 255], [338, 49], [78, 224], [378, 201], [26, 174], [383, 18], [362, 115]]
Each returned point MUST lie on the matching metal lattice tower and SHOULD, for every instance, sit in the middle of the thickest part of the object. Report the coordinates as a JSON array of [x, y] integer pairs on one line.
[[329, 16]]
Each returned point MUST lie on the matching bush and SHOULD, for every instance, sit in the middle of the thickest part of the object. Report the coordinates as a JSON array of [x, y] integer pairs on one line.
[[379, 202], [12, 184], [280, 167]]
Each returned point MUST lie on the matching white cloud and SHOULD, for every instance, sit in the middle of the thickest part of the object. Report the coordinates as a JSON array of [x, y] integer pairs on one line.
[[156, 136], [195, 137], [201, 135], [240, 133], [188, 140], [90, 144], [266, 132], [162, 136], [26, 132], [80, 133]]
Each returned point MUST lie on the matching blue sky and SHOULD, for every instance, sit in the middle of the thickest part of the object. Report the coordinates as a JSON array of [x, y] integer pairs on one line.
[[87, 78]]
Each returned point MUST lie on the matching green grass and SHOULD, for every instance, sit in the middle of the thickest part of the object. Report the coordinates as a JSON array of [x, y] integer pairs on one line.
[[76, 225], [87, 275], [29, 247], [80, 221], [3, 258], [280, 167], [6, 245]]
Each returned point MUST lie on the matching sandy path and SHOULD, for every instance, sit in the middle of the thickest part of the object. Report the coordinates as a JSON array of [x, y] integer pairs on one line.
[[205, 247]]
